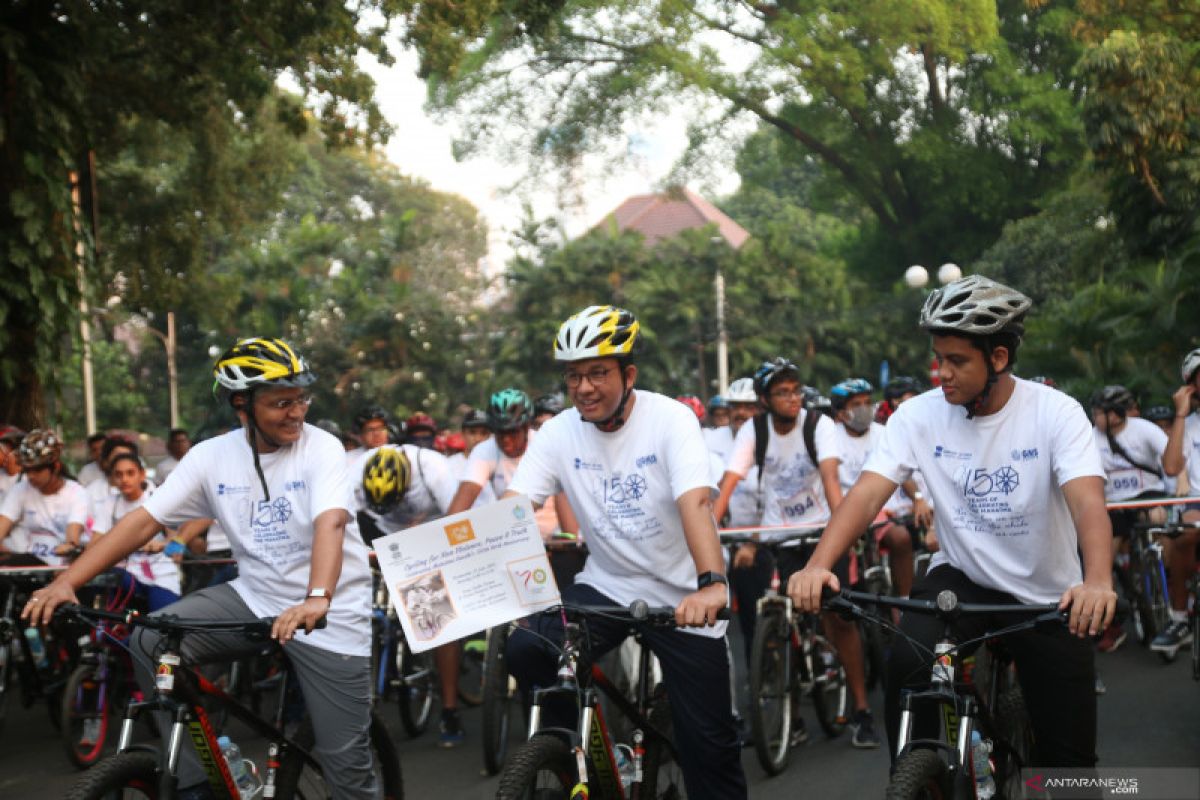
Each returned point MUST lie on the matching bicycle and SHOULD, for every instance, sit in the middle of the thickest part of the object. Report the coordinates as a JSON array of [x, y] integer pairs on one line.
[[789, 658], [396, 669], [987, 701], [41, 677], [556, 762], [185, 695], [500, 692], [1172, 529]]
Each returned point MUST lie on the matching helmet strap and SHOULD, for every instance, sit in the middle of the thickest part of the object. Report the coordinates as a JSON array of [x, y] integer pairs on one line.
[[614, 421], [253, 432], [976, 405]]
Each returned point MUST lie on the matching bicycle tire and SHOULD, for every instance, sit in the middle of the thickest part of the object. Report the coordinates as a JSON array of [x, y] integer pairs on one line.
[[1135, 585], [498, 694], [296, 780], [1196, 637], [118, 776], [919, 775], [86, 697], [1016, 729], [414, 701], [544, 758], [7, 653], [471, 673], [771, 687], [873, 655], [829, 688], [662, 777]]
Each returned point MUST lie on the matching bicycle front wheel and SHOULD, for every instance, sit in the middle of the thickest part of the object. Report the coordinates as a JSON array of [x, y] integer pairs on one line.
[[123, 776], [919, 775], [829, 690], [541, 769], [296, 779], [8, 652], [85, 714], [771, 683], [499, 691]]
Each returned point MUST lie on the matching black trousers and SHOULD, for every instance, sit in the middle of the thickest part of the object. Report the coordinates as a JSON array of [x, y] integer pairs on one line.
[[1057, 671], [696, 672]]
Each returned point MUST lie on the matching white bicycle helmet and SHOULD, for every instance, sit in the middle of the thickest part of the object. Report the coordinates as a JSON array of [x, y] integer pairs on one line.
[[977, 306], [742, 391], [597, 332], [1191, 363]]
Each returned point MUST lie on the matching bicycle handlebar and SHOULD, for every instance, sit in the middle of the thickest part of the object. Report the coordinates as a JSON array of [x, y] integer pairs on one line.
[[945, 606], [638, 612], [169, 622]]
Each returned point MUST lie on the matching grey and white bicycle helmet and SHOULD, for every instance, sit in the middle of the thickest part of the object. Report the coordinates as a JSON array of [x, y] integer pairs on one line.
[[977, 306], [1191, 363]]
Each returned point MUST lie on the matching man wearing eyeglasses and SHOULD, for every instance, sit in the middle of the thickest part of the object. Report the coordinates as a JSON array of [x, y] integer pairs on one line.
[[635, 468], [799, 478], [283, 494]]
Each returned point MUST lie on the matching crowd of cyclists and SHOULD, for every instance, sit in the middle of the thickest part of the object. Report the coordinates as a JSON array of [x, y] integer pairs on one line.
[[1007, 479]]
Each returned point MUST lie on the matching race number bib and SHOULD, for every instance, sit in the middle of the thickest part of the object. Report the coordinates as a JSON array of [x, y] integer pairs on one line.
[[1126, 482]]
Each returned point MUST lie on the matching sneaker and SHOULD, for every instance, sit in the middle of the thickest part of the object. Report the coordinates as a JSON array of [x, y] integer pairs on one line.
[[799, 733], [91, 731], [1100, 687], [1174, 636], [863, 726], [1112, 638], [452, 731]]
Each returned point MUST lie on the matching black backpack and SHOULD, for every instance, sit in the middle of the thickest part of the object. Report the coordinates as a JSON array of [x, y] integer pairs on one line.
[[808, 430]]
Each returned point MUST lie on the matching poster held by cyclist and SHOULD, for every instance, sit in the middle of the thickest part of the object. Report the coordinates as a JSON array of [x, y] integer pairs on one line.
[[467, 572]]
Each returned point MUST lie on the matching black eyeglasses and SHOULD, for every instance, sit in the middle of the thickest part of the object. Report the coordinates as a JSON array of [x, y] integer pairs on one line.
[[595, 376]]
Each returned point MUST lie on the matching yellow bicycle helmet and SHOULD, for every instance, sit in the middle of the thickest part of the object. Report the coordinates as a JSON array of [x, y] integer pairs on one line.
[[385, 480], [259, 362], [597, 332]]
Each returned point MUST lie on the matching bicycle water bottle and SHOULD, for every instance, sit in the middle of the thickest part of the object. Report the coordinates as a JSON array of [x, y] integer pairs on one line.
[[625, 766], [37, 650], [985, 786], [242, 770]]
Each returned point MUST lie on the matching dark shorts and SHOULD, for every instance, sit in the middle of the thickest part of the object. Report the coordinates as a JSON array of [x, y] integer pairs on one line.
[[1123, 519], [790, 560]]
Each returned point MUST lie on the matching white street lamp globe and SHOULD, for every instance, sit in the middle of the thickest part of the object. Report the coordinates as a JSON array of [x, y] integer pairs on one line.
[[949, 273], [916, 276], [214, 351]]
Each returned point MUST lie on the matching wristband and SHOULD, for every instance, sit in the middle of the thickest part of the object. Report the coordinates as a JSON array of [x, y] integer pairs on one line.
[[174, 548], [706, 579]]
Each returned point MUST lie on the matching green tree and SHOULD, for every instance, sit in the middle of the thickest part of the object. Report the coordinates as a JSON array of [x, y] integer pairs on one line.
[[77, 72]]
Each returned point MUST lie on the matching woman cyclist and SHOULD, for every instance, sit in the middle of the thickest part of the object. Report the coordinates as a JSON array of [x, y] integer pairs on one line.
[[49, 507]]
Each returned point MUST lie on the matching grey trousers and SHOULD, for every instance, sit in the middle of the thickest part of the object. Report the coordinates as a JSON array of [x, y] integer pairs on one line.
[[336, 689]]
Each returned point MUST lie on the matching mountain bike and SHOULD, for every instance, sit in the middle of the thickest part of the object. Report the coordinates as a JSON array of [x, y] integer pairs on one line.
[[585, 761], [957, 704], [292, 771], [1172, 529]]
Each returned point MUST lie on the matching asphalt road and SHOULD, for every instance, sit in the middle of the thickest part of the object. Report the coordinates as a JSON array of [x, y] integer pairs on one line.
[[1149, 717]]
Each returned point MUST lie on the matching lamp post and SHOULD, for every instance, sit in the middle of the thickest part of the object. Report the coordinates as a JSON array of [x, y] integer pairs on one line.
[[917, 277], [722, 333], [168, 340]]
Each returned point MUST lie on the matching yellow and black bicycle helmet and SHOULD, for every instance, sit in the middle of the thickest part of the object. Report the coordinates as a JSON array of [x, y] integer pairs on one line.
[[260, 362], [597, 332], [385, 480]]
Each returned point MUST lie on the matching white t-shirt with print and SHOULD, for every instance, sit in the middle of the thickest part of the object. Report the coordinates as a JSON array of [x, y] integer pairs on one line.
[[623, 486], [1001, 517], [851, 452], [719, 440], [792, 490], [272, 540], [43, 519], [1145, 443], [165, 467], [431, 487], [89, 473], [488, 466], [1191, 451], [458, 465], [154, 569]]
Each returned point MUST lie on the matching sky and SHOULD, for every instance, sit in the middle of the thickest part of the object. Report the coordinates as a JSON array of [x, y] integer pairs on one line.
[[421, 147]]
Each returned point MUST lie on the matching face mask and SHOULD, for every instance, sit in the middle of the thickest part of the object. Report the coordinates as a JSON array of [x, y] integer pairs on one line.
[[859, 419]]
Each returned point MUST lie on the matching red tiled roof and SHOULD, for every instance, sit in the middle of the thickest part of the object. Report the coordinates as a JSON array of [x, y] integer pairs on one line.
[[661, 216]]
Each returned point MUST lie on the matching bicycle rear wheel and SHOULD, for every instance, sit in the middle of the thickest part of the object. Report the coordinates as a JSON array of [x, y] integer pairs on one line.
[[124, 776], [85, 714], [1015, 752], [296, 779], [919, 775], [471, 673], [541, 769], [415, 698], [771, 686], [662, 774], [499, 692]]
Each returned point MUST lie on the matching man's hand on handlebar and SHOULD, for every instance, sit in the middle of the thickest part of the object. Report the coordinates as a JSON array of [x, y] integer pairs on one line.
[[804, 587], [40, 607], [1092, 607], [701, 607], [306, 615]]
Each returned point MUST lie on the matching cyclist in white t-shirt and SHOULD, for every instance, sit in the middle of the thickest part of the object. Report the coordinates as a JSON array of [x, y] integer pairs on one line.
[[1018, 493], [47, 510], [283, 495], [635, 468], [10, 467], [1183, 453]]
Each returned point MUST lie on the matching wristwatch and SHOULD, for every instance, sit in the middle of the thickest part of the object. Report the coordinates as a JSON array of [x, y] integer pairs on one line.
[[322, 593], [708, 578], [918, 496]]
